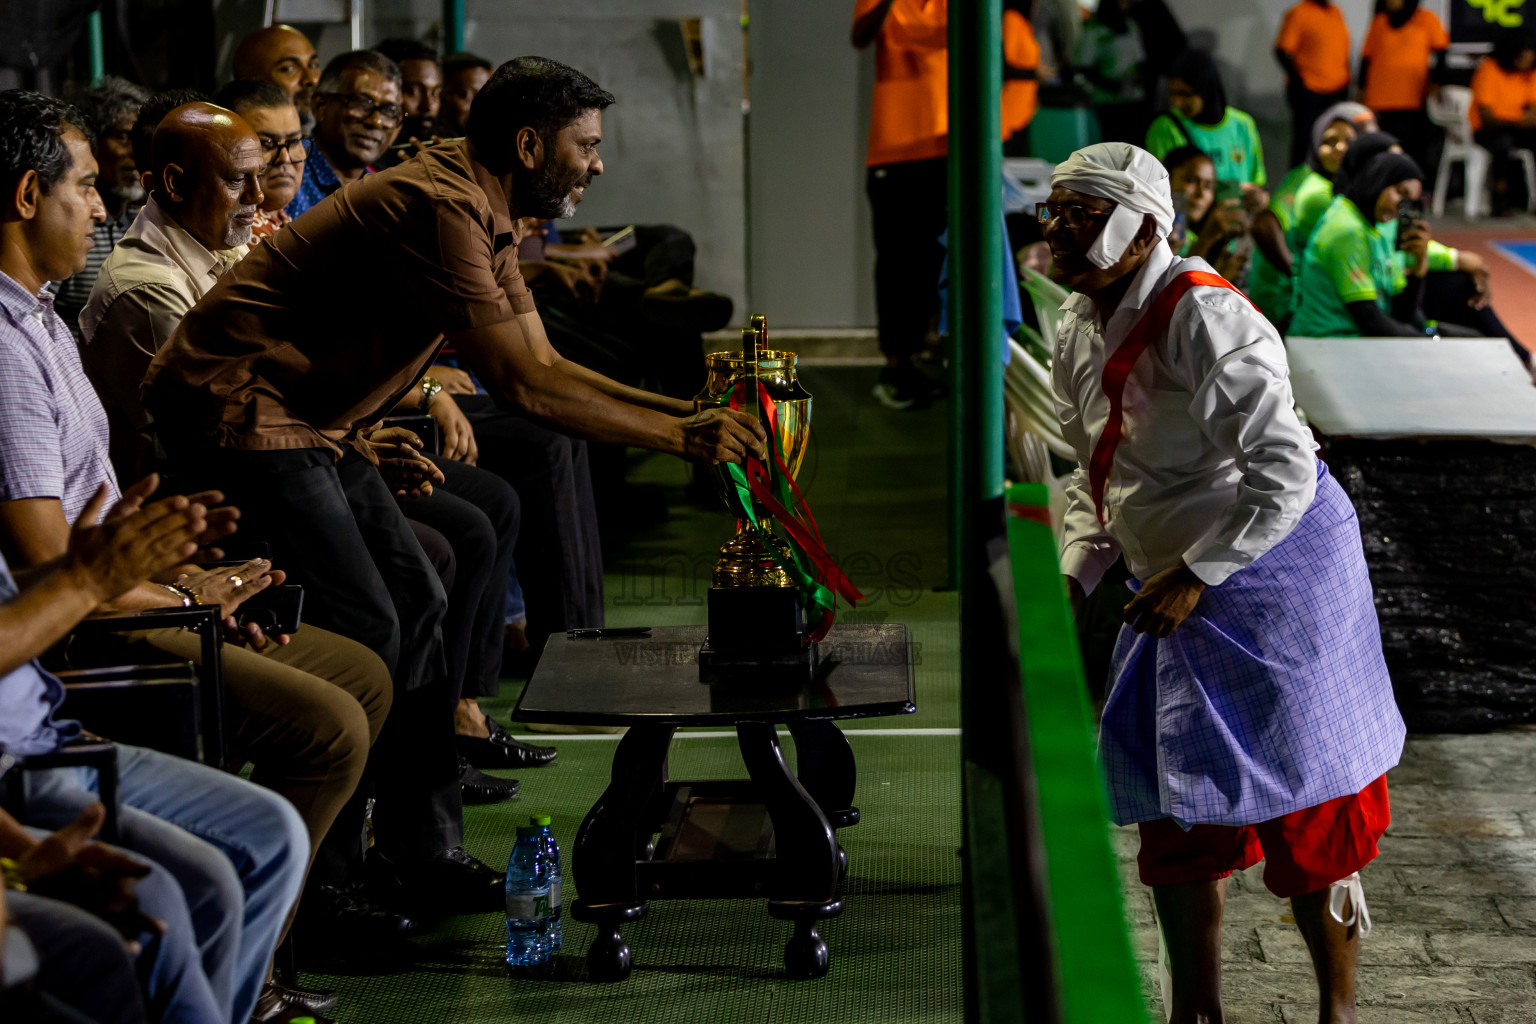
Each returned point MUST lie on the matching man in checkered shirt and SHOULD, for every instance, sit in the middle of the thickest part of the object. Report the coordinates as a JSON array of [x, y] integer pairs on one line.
[[1251, 716]]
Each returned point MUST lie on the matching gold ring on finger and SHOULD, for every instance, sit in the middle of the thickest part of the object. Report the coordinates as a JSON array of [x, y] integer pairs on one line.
[[237, 580]]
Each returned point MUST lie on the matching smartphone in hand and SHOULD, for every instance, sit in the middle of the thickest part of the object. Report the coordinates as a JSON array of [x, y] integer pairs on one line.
[[1409, 211]]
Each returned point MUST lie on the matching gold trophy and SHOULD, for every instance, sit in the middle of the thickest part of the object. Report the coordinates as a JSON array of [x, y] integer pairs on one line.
[[756, 621]]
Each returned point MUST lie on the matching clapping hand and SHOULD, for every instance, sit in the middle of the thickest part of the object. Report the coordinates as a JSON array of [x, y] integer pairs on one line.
[[132, 542]]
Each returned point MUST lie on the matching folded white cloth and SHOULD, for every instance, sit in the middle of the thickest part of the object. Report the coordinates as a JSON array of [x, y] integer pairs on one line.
[[1128, 176], [1349, 892]]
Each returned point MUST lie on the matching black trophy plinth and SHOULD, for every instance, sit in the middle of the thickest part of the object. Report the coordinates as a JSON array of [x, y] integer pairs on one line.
[[756, 636]]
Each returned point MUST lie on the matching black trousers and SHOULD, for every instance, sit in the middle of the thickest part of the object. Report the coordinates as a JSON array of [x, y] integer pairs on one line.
[[1306, 107], [1506, 178], [477, 514], [1447, 298], [334, 527], [908, 205], [558, 554]]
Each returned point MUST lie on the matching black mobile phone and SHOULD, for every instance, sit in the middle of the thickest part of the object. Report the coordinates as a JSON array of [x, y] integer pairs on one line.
[[276, 609], [1408, 211]]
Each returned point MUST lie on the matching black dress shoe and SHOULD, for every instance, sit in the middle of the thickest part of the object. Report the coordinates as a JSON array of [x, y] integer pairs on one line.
[[278, 1002], [343, 915], [480, 788], [451, 882], [503, 750]]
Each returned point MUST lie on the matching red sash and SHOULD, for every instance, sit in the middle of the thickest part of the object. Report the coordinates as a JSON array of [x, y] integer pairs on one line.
[[1117, 369]]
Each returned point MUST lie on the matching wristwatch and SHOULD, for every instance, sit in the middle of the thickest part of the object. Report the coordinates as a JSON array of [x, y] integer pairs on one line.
[[430, 386]]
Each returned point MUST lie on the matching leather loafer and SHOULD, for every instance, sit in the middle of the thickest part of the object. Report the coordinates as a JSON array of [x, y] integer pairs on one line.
[[278, 1002], [477, 787], [503, 750], [451, 882]]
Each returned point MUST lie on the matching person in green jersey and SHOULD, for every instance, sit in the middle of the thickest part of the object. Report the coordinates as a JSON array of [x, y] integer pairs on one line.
[[1199, 116], [1314, 194], [1210, 228], [1357, 277], [1269, 282]]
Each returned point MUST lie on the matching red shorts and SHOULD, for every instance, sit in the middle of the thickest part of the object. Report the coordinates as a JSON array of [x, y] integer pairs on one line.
[[1303, 851]]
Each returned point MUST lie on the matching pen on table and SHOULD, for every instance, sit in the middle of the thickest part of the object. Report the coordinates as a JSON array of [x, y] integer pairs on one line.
[[594, 632]]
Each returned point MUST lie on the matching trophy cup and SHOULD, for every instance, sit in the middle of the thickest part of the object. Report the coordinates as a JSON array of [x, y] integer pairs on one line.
[[756, 615]]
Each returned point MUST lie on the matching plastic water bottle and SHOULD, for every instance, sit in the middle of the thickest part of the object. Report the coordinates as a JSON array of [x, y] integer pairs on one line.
[[527, 890], [552, 858]]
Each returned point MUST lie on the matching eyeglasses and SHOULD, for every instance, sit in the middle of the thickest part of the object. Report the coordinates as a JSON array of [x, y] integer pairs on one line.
[[296, 148], [1074, 215], [363, 108]]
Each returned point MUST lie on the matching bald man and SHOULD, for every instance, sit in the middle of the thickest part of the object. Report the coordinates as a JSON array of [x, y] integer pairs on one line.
[[195, 225], [284, 56]]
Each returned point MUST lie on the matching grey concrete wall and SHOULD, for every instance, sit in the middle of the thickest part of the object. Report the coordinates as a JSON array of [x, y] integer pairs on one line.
[[811, 257]]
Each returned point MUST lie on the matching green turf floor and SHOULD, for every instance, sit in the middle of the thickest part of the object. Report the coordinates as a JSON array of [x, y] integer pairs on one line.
[[875, 480]]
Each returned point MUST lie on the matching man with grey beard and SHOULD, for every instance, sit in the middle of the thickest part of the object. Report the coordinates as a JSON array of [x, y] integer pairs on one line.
[[194, 226], [111, 108]]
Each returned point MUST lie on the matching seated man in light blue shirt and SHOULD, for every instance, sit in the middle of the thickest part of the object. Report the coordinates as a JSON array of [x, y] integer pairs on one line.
[[234, 860], [192, 884]]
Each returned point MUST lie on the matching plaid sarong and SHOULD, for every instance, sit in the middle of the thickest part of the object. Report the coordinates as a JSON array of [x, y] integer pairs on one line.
[[1271, 697]]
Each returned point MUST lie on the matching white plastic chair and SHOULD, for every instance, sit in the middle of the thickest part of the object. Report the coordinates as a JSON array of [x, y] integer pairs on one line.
[[1453, 112]]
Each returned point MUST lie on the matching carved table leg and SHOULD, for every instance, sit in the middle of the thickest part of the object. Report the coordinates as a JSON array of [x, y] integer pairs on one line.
[[825, 766], [614, 833], [804, 884]]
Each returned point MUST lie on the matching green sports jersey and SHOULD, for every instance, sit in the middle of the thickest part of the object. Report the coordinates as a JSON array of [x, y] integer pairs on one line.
[[1268, 286], [1350, 260], [1313, 195], [1346, 261], [1232, 143]]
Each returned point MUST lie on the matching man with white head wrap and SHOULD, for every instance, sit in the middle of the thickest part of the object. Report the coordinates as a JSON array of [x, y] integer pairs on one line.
[[1251, 716]]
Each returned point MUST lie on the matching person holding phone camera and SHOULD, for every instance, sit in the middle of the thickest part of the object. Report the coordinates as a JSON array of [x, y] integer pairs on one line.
[[1371, 268], [1214, 218], [1358, 276], [1250, 715]]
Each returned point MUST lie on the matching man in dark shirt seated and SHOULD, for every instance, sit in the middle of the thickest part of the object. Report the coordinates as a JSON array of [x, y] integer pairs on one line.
[[270, 378]]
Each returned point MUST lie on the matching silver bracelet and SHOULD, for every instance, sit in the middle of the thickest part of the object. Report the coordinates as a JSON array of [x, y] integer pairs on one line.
[[181, 594]]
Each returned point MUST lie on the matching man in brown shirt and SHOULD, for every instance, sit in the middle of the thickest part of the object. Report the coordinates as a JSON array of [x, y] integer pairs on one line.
[[271, 377]]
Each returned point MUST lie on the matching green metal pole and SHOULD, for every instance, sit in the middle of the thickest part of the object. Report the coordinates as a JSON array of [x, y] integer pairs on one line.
[[98, 46], [994, 951], [453, 26]]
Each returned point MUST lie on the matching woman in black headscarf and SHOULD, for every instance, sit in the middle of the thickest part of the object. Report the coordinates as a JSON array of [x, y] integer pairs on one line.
[[1416, 279], [1400, 66], [1357, 277]]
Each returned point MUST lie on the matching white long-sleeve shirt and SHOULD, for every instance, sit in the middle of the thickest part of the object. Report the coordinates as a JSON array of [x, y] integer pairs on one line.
[[1213, 467]]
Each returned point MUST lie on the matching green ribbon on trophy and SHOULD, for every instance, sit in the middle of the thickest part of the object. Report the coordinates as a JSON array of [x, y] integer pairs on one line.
[[811, 568]]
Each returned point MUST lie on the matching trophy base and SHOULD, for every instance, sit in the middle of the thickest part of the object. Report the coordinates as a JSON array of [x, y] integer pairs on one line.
[[756, 635]]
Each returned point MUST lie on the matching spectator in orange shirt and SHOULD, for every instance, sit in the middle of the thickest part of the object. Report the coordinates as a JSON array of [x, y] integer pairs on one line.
[[1504, 114], [1021, 76], [1313, 48], [907, 181], [1399, 68]]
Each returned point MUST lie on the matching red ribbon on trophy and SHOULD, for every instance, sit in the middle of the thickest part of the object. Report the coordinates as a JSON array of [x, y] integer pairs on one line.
[[811, 567]]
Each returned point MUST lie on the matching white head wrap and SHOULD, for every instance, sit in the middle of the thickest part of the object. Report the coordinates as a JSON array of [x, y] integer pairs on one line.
[[1128, 176]]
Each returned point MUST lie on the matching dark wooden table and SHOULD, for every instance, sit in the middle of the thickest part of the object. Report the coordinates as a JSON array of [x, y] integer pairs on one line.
[[771, 835]]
